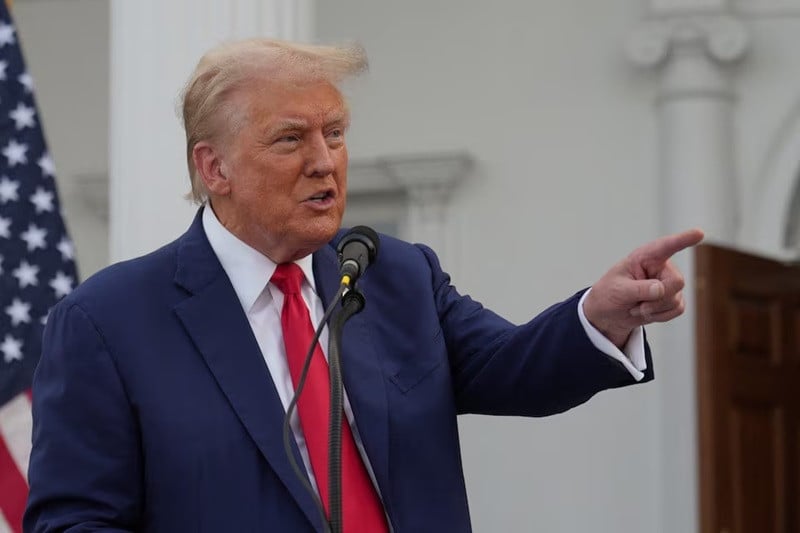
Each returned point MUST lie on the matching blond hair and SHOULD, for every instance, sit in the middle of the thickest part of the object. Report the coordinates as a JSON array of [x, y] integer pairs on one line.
[[207, 106]]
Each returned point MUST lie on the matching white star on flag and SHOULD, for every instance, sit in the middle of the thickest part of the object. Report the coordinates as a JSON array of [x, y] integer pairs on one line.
[[34, 236], [8, 190], [6, 34], [12, 349], [19, 312], [66, 248], [26, 80], [46, 164], [62, 284], [22, 116], [26, 274], [43, 200], [5, 224], [3, 67], [15, 153]]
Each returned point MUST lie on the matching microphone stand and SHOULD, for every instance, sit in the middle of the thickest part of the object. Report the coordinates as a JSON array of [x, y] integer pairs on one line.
[[352, 302]]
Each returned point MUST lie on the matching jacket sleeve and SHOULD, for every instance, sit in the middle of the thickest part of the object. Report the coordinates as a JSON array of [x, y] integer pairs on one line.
[[543, 367], [85, 471]]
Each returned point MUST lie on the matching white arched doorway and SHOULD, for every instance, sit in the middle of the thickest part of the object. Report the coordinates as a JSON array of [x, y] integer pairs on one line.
[[771, 222]]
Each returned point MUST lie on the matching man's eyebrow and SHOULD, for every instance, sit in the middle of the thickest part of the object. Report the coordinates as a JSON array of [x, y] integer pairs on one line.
[[286, 125], [339, 117], [290, 124]]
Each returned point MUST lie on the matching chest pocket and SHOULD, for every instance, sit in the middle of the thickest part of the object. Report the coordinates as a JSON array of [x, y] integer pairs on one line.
[[421, 364]]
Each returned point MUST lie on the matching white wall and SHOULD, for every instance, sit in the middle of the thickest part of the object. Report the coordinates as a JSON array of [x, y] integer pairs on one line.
[[562, 127]]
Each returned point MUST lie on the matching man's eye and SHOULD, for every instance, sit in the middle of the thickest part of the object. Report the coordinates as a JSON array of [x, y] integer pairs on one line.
[[288, 139], [336, 134]]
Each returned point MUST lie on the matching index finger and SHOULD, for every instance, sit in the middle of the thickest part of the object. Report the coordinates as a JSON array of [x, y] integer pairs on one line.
[[665, 247]]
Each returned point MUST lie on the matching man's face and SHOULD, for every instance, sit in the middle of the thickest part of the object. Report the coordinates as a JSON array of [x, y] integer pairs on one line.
[[287, 168]]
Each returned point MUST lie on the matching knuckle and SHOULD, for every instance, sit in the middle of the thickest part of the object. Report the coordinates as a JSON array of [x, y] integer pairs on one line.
[[642, 292]]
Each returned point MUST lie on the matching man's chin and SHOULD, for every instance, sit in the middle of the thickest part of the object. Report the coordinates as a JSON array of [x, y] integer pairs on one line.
[[326, 236], [318, 235]]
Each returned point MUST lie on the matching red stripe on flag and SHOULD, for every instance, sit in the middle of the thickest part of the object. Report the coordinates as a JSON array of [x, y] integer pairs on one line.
[[13, 490]]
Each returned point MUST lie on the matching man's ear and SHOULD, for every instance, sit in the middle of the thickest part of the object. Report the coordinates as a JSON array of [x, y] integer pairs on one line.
[[211, 168]]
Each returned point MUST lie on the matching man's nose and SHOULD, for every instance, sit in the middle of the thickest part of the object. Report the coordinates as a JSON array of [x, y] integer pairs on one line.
[[319, 162]]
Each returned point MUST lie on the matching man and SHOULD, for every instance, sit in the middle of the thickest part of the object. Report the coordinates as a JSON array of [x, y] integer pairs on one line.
[[164, 381]]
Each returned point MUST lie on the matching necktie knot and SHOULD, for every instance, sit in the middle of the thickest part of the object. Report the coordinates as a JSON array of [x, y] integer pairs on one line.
[[288, 277]]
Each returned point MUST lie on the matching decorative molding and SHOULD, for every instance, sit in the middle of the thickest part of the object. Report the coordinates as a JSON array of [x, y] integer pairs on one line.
[[424, 177], [682, 6], [767, 8], [370, 177], [722, 37], [428, 181]]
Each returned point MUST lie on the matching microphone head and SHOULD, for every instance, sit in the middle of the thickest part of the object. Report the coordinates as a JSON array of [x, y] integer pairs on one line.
[[363, 234], [357, 249]]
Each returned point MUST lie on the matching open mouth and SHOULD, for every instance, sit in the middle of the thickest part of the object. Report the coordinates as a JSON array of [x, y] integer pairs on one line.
[[322, 200], [321, 197]]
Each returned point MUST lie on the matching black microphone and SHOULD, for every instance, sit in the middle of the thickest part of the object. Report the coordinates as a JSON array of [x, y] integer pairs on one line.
[[357, 249]]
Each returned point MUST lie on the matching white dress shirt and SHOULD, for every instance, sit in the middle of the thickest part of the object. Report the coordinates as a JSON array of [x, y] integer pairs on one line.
[[632, 356], [250, 271]]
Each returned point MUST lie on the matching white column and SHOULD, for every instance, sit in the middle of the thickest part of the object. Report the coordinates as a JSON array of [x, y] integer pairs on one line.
[[692, 47], [695, 117], [154, 47]]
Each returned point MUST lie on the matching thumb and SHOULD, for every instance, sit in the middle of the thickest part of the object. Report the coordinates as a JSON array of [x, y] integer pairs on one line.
[[644, 290]]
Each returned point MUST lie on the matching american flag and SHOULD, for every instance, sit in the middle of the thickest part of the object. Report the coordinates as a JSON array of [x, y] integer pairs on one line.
[[36, 265]]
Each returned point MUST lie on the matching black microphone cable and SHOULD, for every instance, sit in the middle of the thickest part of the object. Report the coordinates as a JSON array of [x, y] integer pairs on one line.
[[355, 250], [287, 446]]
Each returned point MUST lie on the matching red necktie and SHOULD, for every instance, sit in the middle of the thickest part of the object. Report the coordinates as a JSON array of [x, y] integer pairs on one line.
[[362, 511]]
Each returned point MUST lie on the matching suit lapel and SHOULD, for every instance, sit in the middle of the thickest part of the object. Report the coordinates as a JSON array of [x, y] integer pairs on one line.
[[361, 373], [217, 324]]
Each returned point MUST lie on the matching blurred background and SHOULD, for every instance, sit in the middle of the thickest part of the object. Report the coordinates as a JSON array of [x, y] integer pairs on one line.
[[525, 140]]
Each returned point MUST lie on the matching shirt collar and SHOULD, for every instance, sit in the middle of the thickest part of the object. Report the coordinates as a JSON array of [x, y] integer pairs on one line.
[[248, 269]]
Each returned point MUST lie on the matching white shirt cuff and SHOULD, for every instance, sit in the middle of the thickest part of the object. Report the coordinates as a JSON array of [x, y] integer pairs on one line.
[[632, 357]]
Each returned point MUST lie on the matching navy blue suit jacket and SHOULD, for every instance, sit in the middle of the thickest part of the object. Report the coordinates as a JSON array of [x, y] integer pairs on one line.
[[154, 409]]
